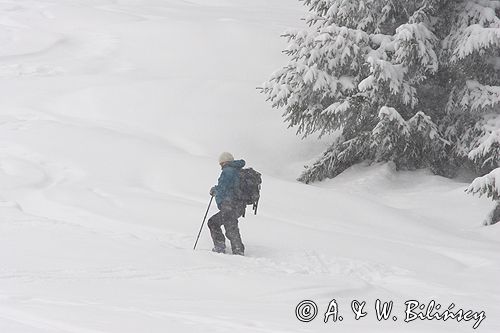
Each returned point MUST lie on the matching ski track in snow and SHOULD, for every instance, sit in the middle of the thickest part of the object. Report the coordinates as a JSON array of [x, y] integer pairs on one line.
[[106, 155]]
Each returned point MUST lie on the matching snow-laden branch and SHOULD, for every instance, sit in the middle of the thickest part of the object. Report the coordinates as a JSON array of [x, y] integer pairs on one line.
[[488, 185]]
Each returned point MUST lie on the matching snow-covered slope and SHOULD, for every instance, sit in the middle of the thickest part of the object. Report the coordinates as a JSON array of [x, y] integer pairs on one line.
[[112, 115]]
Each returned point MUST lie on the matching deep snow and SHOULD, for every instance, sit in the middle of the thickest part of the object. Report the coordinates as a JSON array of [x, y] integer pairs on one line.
[[112, 115]]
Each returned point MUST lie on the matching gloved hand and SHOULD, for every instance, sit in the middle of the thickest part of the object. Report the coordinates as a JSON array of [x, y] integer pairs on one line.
[[212, 191]]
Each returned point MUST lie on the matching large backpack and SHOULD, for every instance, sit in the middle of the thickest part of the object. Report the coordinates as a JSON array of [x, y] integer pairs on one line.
[[248, 191]]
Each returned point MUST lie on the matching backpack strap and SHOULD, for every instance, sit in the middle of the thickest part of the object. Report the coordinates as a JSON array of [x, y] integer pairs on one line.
[[255, 206]]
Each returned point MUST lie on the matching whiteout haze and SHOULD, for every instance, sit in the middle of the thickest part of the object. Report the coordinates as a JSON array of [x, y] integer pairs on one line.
[[112, 116]]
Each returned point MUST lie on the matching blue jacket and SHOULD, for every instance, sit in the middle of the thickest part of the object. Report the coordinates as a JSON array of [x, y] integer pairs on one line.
[[228, 181]]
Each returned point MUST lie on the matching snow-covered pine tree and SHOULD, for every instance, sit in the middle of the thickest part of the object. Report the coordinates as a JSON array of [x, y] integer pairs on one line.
[[488, 185], [471, 57], [379, 72]]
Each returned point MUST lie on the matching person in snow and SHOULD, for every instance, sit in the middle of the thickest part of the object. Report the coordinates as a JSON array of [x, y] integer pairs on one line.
[[229, 208]]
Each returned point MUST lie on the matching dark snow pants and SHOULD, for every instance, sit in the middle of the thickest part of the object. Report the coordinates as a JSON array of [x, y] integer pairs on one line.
[[227, 217]]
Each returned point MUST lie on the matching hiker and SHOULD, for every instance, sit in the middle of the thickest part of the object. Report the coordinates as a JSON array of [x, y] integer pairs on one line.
[[230, 209]]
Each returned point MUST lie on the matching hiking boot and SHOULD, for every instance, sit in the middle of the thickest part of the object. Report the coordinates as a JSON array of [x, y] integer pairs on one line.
[[219, 250], [238, 252]]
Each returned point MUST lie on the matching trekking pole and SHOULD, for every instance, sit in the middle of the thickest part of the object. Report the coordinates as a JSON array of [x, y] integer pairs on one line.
[[202, 223]]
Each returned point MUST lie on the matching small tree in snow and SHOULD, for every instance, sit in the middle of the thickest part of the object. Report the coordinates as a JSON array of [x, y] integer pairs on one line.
[[488, 185]]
